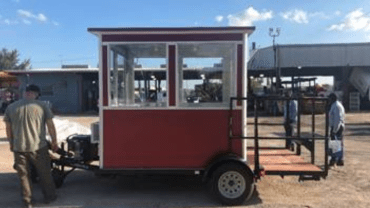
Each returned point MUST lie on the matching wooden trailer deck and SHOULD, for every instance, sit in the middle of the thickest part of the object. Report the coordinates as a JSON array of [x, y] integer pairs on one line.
[[284, 161]]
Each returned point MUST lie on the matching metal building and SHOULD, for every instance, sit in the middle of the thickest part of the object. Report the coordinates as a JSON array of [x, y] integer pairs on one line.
[[348, 64], [69, 91]]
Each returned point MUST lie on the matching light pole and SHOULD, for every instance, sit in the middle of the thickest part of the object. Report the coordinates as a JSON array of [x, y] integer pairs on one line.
[[275, 33], [299, 80]]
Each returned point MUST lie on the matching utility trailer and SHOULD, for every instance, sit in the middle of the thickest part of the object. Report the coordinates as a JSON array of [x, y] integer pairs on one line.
[[172, 102]]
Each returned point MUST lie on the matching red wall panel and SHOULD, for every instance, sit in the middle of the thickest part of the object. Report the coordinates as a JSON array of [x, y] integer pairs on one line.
[[166, 138]]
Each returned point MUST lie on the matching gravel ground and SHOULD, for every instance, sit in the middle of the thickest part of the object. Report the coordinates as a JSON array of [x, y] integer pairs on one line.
[[347, 186]]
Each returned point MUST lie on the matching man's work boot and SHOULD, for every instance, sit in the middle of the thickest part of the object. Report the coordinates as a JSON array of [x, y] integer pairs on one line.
[[340, 163]]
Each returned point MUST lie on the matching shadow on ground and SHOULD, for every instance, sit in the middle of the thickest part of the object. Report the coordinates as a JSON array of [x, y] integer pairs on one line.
[[84, 189]]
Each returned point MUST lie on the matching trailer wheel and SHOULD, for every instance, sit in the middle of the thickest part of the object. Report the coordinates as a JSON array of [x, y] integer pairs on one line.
[[232, 184], [58, 177]]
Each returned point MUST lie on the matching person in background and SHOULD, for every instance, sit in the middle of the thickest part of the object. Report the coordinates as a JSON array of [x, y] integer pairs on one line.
[[25, 128], [290, 118], [336, 125]]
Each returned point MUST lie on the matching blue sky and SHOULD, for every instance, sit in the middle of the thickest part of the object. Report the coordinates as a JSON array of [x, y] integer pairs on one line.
[[54, 32]]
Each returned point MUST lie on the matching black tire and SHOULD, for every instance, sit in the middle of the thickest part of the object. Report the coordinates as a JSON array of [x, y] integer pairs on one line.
[[58, 177], [232, 184]]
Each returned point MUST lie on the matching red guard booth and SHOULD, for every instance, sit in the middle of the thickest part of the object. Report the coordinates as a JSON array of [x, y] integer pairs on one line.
[[165, 104]]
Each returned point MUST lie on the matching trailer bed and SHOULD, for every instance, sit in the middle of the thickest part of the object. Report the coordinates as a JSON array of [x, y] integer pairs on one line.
[[282, 162]]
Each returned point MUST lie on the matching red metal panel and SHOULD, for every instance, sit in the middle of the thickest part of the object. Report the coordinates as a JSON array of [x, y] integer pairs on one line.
[[172, 74], [105, 75], [166, 138], [173, 37]]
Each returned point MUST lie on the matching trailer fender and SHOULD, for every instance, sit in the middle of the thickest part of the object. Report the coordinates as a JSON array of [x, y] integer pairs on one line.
[[221, 160]]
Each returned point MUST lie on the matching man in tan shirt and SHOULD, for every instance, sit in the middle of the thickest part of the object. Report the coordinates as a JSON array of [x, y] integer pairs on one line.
[[25, 127]]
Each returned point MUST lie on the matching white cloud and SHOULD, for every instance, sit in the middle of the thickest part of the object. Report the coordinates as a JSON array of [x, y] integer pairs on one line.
[[24, 13], [55, 23], [248, 17], [338, 13], [27, 14], [304, 17], [297, 16], [41, 18], [355, 21], [219, 18], [338, 27], [10, 22], [320, 15], [27, 22]]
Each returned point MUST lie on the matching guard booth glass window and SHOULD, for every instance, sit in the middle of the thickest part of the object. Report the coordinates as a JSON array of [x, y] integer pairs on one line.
[[138, 75], [206, 74]]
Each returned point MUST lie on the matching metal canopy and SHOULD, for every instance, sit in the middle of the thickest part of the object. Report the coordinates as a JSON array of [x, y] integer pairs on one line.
[[311, 59], [293, 71]]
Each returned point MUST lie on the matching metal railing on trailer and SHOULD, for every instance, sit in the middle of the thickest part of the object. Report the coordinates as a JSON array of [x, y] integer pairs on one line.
[[306, 141]]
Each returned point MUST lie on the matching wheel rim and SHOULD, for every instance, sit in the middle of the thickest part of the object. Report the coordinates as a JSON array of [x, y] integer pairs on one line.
[[231, 184]]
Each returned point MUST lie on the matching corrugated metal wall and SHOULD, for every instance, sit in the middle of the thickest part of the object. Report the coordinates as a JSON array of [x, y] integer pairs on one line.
[[61, 90], [317, 55]]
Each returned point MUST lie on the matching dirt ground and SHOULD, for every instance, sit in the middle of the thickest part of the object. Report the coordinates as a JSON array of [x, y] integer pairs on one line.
[[347, 186]]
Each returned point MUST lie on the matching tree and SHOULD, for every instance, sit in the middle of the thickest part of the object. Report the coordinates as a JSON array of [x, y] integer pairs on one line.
[[10, 60]]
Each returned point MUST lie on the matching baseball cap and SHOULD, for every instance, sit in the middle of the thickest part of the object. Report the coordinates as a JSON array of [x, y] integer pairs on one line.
[[33, 88]]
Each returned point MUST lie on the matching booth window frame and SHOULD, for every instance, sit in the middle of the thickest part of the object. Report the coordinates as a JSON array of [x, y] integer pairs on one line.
[[231, 87], [111, 105], [232, 78]]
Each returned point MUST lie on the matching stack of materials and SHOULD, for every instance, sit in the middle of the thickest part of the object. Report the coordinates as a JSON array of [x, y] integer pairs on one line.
[[65, 128]]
